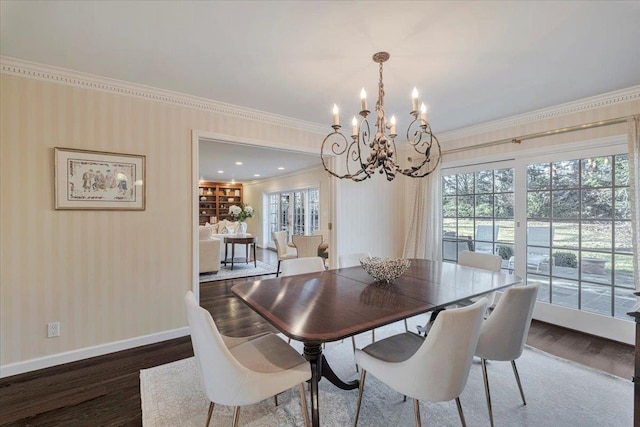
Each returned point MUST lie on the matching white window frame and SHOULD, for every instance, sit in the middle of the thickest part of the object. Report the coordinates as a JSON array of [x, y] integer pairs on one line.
[[621, 330]]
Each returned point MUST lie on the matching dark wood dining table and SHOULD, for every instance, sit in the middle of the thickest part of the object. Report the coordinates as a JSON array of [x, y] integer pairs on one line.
[[316, 308]]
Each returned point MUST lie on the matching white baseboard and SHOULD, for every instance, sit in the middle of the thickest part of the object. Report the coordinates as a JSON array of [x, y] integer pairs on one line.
[[85, 353], [590, 323]]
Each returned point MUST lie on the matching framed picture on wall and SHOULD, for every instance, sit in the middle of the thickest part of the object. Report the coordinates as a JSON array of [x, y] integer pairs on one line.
[[98, 180]]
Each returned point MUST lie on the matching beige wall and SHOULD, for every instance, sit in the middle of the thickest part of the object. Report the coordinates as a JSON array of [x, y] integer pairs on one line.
[[105, 275], [371, 216]]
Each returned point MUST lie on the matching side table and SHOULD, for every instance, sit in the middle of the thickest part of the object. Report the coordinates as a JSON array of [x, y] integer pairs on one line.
[[234, 240]]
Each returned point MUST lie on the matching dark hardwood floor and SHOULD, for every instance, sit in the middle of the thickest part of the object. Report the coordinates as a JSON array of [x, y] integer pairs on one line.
[[105, 390]]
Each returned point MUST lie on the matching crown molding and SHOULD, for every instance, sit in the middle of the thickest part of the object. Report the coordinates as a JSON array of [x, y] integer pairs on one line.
[[598, 101], [32, 70], [36, 71]]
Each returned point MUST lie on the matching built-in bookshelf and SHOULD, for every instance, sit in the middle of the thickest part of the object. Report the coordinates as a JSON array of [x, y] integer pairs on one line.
[[215, 200]]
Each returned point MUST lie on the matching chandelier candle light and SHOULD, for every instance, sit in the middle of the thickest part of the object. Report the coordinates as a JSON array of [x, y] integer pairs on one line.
[[382, 147]]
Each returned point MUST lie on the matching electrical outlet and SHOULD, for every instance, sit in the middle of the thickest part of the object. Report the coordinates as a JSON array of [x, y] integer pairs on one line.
[[53, 329]]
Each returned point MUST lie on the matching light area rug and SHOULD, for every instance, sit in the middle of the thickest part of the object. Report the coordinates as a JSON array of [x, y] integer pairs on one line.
[[240, 269], [559, 393]]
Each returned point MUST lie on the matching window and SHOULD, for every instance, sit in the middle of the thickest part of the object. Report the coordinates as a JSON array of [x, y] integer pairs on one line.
[[296, 211], [576, 240], [579, 233], [478, 213]]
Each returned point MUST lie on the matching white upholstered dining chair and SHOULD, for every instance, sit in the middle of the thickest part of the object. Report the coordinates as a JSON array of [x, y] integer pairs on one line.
[[280, 240], [243, 371], [306, 246], [485, 261], [434, 368], [294, 266], [480, 260], [504, 333], [475, 260]]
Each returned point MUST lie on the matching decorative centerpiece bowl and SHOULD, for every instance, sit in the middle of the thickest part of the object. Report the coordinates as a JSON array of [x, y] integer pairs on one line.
[[385, 269]]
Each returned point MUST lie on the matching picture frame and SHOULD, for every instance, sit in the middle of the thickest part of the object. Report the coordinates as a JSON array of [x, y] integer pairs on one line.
[[97, 180]]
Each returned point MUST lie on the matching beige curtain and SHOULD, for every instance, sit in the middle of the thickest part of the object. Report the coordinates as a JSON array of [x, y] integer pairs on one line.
[[634, 189], [424, 234]]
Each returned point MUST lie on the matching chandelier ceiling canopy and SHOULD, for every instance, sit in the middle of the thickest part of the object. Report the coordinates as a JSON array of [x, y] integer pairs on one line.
[[365, 154]]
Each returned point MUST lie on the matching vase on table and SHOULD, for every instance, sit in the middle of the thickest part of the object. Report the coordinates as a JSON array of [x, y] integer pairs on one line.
[[243, 228]]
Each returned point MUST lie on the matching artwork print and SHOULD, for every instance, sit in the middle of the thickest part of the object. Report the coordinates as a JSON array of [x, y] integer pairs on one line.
[[97, 180]]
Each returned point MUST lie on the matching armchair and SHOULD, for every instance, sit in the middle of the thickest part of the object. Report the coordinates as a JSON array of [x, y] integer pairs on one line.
[[280, 239], [307, 246]]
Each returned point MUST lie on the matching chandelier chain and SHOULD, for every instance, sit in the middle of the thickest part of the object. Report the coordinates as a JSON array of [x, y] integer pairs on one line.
[[380, 103]]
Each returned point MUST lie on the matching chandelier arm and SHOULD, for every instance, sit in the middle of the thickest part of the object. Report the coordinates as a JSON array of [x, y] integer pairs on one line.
[[363, 137], [432, 159], [337, 150]]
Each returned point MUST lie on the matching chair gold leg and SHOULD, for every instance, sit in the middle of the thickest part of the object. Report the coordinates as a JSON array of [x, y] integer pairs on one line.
[[416, 409], [289, 341], [360, 390], [515, 371], [487, 393], [353, 344], [236, 416], [406, 326], [373, 335], [275, 399], [211, 405], [464, 424], [303, 403]]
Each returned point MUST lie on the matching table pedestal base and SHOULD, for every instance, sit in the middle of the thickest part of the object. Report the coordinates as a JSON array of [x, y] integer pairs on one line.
[[320, 368]]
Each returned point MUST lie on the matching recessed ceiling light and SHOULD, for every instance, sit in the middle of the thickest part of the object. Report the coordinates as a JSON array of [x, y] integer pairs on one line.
[[239, 163], [256, 174], [280, 168], [220, 171]]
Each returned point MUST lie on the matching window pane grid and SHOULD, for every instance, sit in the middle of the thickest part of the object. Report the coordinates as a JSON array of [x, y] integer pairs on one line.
[[296, 212], [478, 213], [586, 211]]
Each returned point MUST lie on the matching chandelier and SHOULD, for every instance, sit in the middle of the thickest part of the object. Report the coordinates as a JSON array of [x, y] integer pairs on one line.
[[363, 155]]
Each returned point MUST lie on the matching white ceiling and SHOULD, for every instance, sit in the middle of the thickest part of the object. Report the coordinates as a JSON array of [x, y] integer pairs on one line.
[[216, 156], [472, 61]]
